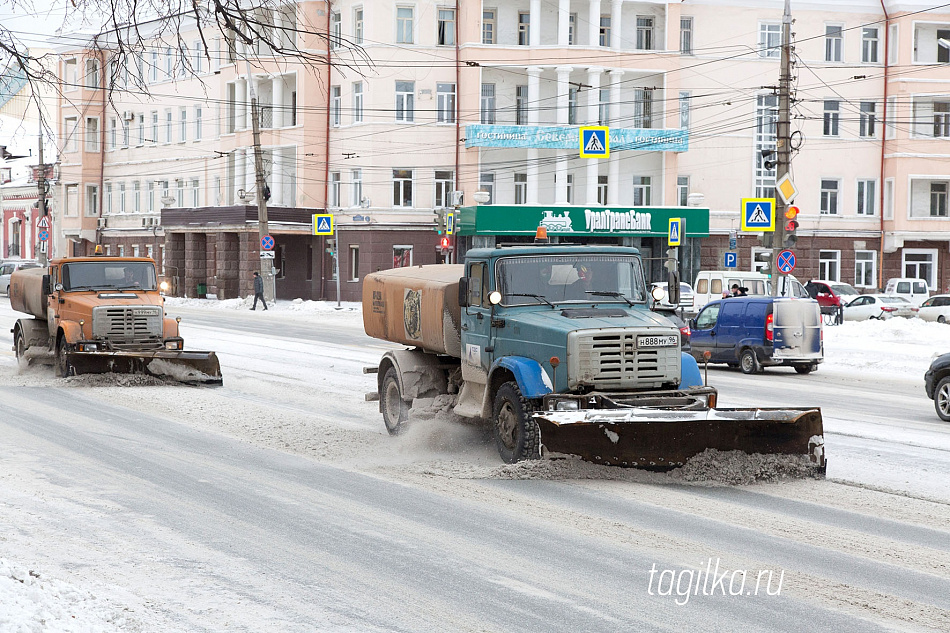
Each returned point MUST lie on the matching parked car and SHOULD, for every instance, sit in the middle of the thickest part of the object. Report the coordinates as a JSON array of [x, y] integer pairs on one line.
[[756, 332], [936, 308], [830, 295], [686, 294], [670, 313], [937, 385], [877, 306], [7, 268], [914, 290]]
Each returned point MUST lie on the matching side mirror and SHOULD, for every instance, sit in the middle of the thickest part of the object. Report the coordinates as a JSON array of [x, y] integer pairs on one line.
[[463, 292], [45, 285], [692, 324]]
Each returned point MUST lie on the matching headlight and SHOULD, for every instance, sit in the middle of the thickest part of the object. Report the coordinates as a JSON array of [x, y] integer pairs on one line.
[[172, 344], [88, 347], [164, 286], [566, 405]]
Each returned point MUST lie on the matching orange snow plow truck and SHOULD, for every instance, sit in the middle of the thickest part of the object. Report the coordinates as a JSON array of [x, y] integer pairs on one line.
[[97, 315]]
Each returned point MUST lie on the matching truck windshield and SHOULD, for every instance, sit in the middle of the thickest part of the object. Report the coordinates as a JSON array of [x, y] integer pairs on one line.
[[570, 278], [109, 275]]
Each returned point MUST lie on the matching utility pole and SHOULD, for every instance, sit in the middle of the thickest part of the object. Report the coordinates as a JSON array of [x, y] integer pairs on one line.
[[41, 203], [267, 264], [783, 147]]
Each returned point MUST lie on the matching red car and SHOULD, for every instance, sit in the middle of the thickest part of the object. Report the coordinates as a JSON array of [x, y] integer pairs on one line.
[[831, 295]]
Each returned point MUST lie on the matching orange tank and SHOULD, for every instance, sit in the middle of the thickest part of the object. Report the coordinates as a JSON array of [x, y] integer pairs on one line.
[[416, 306], [26, 292]]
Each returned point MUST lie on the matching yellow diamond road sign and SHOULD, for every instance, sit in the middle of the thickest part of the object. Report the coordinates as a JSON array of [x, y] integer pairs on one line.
[[786, 188]]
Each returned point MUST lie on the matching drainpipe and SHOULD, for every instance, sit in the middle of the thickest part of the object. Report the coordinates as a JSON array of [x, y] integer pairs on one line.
[[880, 256], [102, 140], [458, 125], [326, 171]]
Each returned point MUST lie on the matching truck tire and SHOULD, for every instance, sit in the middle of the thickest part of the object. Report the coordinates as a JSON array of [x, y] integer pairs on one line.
[[395, 409], [942, 399], [748, 363], [20, 347], [805, 369], [517, 436], [63, 369]]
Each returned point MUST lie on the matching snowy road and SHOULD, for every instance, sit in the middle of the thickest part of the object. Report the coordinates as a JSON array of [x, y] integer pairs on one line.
[[277, 502]]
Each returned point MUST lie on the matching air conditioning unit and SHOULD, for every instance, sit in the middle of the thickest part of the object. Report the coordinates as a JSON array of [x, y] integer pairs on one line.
[[103, 223], [456, 198], [128, 115]]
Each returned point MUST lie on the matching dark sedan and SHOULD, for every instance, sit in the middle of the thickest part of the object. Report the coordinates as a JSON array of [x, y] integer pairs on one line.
[[937, 384]]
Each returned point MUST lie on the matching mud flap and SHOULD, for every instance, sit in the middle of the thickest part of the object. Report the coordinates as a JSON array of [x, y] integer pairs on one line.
[[661, 439], [180, 366]]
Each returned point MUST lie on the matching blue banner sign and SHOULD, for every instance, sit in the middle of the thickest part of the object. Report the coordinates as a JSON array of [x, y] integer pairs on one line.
[[523, 136]]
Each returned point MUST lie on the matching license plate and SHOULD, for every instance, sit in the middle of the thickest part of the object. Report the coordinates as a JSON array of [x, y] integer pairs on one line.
[[658, 341]]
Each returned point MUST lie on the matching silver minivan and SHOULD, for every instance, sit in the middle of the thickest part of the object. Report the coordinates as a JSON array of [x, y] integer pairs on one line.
[[7, 268]]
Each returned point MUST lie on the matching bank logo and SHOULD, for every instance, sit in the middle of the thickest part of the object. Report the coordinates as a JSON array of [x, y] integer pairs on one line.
[[557, 223]]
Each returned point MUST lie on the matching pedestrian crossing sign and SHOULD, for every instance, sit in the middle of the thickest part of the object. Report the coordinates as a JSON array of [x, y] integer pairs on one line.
[[676, 232], [757, 214], [323, 224], [595, 142]]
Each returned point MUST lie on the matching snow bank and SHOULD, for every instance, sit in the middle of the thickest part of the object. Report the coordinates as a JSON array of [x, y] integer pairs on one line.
[[297, 306]]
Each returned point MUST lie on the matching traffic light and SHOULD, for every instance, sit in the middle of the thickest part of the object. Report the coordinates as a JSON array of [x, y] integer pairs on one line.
[[763, 261], [445, 243], [791, 224], [671, 260], [438, 219]]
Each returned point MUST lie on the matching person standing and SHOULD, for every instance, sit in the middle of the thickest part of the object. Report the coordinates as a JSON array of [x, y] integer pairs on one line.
[[258, 290]]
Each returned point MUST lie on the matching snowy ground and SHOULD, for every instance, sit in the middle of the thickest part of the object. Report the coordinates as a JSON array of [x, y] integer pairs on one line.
[[895, 350]]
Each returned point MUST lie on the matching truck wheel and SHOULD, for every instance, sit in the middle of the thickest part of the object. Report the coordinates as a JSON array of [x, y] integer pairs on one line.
[[395, 409], [63, 368], [804, 369], [942, 399], [747, 362], [517, 436], [22, 361]]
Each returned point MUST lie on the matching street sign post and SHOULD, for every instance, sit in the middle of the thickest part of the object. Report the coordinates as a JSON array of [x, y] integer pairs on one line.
[[730, 260]]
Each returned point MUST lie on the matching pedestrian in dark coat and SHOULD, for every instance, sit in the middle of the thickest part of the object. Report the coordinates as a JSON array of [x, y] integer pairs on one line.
[[258, 290]]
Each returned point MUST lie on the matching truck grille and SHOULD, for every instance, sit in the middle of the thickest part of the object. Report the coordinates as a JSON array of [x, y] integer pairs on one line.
[[609, 359], [128, 327]]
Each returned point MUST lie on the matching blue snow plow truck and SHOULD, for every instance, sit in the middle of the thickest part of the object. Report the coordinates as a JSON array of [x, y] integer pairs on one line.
[[557, 348]]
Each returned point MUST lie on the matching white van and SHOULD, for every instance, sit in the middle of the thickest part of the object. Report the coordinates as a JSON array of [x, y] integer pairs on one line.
[[914, 290], [714, 284]]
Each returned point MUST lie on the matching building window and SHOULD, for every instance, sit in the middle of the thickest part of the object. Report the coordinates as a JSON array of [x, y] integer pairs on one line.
[[892, 44], [770, 40], [521, 105], [154, 138], [521, 188], [603, 107], [405, 108], [682, 190], [943, 52], [938, 199], [524, 28], [141, 125], [445, 102], [184, 126], [766, 119], [602, 190], [641, 191], [122, 207], [867, 200], [92, 134], [150, 197], [404, 25], [354, 262], [645, 33], [829, 198], [488, 104], [889, 199], [684, 109], [941, 119], [180, 193], [829, 265], [113, 133], [92, 200], [136, 196], [686, 36], [488, 26], [336, 30], [643, 107], [570, 188], [71, 126], [121, 250], [168, 126], [865, 269], [446, 35], [832, 114], [334, 192], [358, 25], [572, 29], [867, 123], [198, 113], [833, 42], [70, 74], [604, 30], [107, 208], [444, 186], [486, 182], [126, 131], [92, 73], [920, 264], [336, 104], [150, 251], [356, 198], [572, 106], [402, 256], [402, 187], [358, 102], [869, 45], [195, 192]]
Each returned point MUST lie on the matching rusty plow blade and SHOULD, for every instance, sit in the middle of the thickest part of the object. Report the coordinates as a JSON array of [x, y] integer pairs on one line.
[[661, 439], [181, 366]]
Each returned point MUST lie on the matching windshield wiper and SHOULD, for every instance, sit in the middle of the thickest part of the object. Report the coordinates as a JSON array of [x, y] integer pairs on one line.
[[528, 294], [610, 293]]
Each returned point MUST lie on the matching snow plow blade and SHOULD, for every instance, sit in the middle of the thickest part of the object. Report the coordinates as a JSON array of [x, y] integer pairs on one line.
[[181, 366], [659, 439]]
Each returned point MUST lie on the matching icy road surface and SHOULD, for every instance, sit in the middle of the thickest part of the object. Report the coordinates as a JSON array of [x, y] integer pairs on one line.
[[279, 503]]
